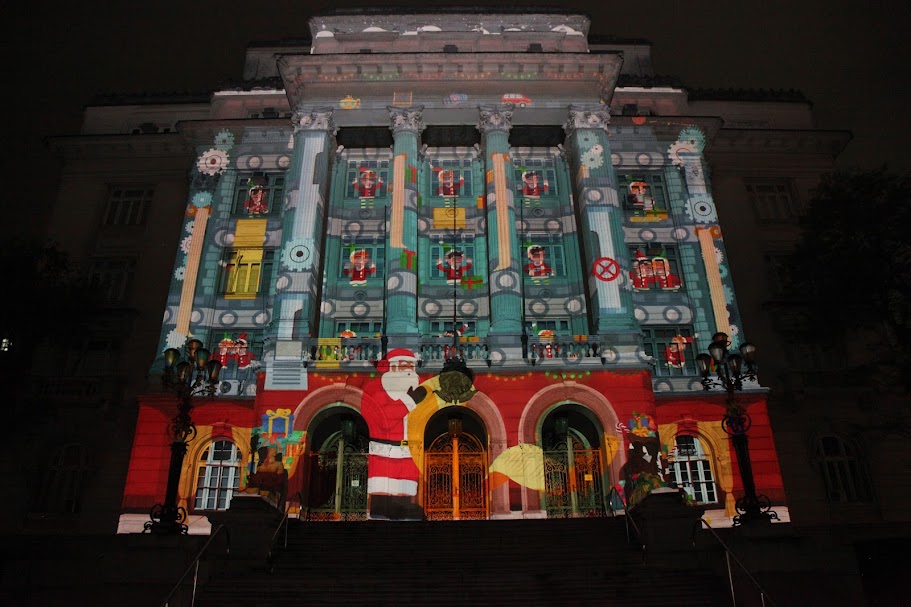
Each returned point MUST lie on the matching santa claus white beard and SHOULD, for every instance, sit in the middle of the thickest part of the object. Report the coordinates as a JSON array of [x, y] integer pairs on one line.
[[397, 383]]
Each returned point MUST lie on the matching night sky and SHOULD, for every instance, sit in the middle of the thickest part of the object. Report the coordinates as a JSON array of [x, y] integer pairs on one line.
[[849, 57]]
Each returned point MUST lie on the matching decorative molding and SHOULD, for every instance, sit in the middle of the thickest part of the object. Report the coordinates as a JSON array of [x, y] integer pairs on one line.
[[307, 118], [406, 119], [587, 117], [495, 118]]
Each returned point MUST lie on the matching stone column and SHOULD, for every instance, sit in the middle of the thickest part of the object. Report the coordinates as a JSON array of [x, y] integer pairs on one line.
[[402, 227], [595, 187], [304, 217], [502, 241]]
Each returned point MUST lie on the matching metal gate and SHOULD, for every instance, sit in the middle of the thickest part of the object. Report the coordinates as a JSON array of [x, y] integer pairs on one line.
[[338, 481], [572, 479], [455, 478]]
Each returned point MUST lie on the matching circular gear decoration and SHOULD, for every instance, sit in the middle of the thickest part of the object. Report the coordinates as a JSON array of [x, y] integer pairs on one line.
[[262, 319], [538, 307], [431, 307], [701, 210], [224, 140], [296, 255], [360, 309], [202, 199], [228, 319], [213, 162], [468, 307]]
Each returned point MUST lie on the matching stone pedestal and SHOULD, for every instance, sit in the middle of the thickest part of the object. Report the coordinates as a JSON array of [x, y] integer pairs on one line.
[[667, 523], [251, 521]]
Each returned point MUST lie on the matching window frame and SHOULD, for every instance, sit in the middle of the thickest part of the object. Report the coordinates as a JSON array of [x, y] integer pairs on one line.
[[670, 254], [654, 345], [658, 191], [547, 166], [267, 265], [844, 475], [769, 206], [275, 199], [706, 486], [383, 168], [111, 278], [127, 205], [462, 168], [206, 466]]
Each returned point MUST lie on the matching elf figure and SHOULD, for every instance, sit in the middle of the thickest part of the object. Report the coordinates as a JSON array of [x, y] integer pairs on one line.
[[664, 278], [359, 267], [637, 197], [642, 274], [532, 185], [448, 184], [367, 183], [454, 268], [674, 351], [537, 267], [256, 203]]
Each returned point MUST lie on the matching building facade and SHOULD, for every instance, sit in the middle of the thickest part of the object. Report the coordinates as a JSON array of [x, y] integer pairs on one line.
[[411, 190]]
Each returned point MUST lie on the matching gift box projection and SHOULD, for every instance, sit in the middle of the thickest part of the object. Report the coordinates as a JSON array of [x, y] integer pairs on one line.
[[465, 292]]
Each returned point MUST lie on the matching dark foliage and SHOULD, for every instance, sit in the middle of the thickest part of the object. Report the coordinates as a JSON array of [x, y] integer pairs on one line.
[[855, 256]]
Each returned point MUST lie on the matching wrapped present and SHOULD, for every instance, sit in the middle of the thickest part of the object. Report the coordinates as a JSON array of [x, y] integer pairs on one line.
[[278, 422]]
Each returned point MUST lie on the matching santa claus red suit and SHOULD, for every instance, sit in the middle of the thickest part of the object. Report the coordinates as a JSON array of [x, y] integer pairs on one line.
[[453, 267], [367, 183], [392, 476], [532, 186], [245, 357]]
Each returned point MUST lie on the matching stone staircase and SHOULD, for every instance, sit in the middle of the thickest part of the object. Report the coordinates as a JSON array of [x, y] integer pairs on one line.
[[550, 562]]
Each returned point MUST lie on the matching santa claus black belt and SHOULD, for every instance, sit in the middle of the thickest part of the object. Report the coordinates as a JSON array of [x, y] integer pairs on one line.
[[397, 443]]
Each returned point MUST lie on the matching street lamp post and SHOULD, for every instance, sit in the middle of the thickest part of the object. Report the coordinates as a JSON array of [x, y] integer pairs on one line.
[[731, 369], [197, 375]]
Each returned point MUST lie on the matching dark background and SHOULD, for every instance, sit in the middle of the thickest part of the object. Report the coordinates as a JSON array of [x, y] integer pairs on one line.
[[850, 57]]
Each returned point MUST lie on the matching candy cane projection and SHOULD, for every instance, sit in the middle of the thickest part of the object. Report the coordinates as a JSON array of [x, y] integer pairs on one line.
[[397, 217], [504, 228], [188, 291]]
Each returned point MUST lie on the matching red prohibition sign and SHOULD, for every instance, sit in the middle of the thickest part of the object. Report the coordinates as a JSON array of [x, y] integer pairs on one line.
[[606, 269]]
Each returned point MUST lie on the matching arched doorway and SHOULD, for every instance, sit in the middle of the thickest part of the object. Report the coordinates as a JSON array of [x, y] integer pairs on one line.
[[337, 466], [455, 467], [573, 471]]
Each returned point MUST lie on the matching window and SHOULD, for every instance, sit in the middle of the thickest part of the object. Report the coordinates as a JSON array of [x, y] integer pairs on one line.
[[361, 328], [361, 263], [451, 178], [544, 256], [111, 279], [247, 273], [128, 206], [535, 178], [772, 200], [218, 477], [673, 349], [654, 267], [691, 471], [61, 489], [367, 178], [442, 327], [258, 194], [842, 471], [555, 327], [445, 261], [644, 195]]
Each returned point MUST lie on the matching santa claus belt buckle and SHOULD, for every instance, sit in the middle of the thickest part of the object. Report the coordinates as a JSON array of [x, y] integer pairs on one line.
[[404, 443]]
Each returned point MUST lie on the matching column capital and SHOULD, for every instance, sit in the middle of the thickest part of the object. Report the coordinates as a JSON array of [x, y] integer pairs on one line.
[[587, 117], [310, 118], [495, 118], [406, 119]]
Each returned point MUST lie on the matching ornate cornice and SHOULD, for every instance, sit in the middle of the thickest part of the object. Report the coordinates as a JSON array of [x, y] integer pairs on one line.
[[495, 118], [587, 117], [309, 118], [406, 119]]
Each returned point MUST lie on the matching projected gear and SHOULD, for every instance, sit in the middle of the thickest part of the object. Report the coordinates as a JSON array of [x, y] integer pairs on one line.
[[296, 255], [213, 162], [701, 210]]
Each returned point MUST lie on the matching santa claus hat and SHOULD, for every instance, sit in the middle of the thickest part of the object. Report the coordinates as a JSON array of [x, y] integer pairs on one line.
[[396, 355]]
